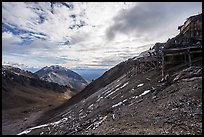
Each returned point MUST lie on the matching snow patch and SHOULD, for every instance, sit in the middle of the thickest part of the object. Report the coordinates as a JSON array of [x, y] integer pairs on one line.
[[83, 101], [80, 110], [124, 84], [107, 92], [44, 125], [124, 100], [113, 116], [96, 124], [112, 92], [116, 89], [83, 116], [118, 104], [91, 106], [140, 85], [145, 92], [118, 85], [99, 99], [134, 97], [25, 132]]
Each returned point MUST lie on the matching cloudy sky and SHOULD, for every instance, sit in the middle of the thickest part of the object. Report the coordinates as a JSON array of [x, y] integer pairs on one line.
[[87, 35]]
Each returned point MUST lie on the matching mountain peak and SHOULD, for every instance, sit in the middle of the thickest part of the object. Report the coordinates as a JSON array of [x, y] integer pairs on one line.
[[54, 67], [62, 76]]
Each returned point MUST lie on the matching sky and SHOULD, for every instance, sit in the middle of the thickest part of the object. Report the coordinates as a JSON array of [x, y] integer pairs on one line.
[[83, 35]]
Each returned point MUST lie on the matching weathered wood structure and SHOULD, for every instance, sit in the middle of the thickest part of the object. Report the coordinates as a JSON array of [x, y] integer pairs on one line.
[[192, 28], [167, 59], [144, 64], [184, 49], [182, 55]]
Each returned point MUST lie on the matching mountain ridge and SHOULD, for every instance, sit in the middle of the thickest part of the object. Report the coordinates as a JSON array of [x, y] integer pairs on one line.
[[25, 97], [62, 76]]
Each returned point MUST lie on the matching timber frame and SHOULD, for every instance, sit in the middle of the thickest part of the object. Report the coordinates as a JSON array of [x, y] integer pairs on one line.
[[182, 50], [181, 55]]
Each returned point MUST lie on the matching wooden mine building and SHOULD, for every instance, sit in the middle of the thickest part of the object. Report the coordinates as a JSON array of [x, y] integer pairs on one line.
[[186, 47]]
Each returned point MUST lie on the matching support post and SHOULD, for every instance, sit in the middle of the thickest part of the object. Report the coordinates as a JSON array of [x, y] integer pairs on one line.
[[162, 65], [185, 58], [189, 58]]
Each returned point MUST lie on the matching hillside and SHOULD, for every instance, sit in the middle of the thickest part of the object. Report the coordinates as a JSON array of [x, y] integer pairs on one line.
[[158, 92], [25, 95], [134, 105]]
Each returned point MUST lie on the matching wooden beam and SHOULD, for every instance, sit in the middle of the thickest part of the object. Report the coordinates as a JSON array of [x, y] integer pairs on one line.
[[162, 65], [172, 62], [181, 48], [185, 59], [182, 53], [189, 58]]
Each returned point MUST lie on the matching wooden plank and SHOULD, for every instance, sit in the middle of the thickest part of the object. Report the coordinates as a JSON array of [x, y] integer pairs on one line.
[[182, 48], [172, 62], [182, 53]]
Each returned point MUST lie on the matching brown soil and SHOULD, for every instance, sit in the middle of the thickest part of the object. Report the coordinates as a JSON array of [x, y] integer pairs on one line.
[[26, 105]]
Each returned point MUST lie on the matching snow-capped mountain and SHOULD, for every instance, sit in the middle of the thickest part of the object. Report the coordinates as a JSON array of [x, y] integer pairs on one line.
[[62, 76]]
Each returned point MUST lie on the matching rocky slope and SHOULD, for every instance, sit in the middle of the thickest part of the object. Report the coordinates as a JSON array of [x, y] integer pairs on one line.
[[62, 76], [25, 95], [122, 103], [138, 96]]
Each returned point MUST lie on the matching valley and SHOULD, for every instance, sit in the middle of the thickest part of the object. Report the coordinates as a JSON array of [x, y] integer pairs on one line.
[[25, 97]]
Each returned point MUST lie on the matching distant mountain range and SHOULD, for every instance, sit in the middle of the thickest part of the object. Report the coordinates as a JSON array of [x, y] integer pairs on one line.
[[21, 88], [62, 76], [15, 79]]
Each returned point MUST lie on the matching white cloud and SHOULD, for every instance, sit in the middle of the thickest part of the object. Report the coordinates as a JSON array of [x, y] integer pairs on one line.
[[8, 40], [47, 26], [11, 37], [55, 25], [151, 20]]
